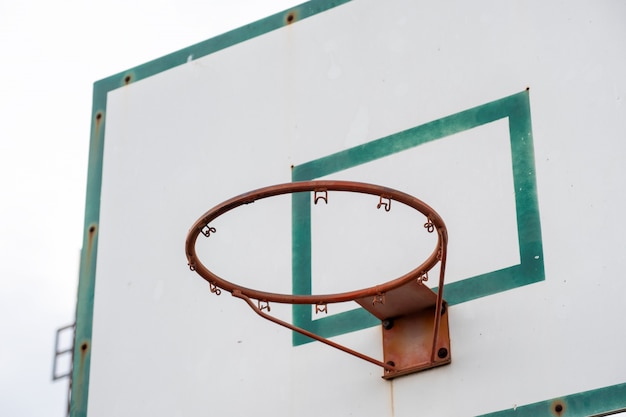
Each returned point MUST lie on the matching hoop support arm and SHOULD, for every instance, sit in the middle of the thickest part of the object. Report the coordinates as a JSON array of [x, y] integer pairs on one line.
[[438, 306], [239, 294]]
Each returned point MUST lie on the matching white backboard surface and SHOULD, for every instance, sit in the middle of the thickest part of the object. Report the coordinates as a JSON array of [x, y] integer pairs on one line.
[[507, 118]]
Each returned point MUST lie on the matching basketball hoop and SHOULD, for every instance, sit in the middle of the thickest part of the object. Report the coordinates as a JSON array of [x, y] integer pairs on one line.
[[411, 313]]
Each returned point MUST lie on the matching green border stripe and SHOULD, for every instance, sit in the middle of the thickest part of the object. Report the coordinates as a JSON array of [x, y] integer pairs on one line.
[[86, 282], [599, 402], [405, 140], [220, 42], [87, 276]]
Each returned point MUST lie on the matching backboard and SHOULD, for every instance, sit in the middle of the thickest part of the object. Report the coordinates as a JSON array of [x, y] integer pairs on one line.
[[506, 119]]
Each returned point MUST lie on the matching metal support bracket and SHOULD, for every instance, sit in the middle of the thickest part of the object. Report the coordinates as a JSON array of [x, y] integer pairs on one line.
[[415, 337], [59, 351]]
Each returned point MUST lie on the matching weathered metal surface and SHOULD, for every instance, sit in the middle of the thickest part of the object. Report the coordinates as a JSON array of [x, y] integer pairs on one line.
[[408, 342]]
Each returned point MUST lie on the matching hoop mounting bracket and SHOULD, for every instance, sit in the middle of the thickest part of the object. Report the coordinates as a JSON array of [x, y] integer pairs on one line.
[[413, 339]]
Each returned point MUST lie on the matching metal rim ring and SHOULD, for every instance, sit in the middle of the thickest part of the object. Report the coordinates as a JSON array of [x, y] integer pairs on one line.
[[201, 226]]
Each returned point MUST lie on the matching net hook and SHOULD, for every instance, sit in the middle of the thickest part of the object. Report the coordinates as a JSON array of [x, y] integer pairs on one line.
[[214, 288], [320, 195], [207, 230], [385, 204]]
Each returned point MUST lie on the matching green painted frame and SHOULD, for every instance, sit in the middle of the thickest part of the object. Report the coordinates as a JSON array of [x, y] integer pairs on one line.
[[530, 269]]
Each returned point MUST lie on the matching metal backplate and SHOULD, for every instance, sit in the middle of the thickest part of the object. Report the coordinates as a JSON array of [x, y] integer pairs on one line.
[[409, 326], [408, 340]]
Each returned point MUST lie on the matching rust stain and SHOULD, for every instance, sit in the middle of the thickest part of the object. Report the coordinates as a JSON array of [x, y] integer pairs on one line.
[[79, 374], [91, 237], [97, 128], [77, 391], [128, 79], [392, 399], [558, 407], [291, 17]]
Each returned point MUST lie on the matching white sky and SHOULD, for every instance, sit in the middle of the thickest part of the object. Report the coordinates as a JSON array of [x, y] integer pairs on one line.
[[52, 53]]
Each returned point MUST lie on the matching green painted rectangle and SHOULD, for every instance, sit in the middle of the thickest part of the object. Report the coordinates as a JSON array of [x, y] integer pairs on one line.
[[530, 269]]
